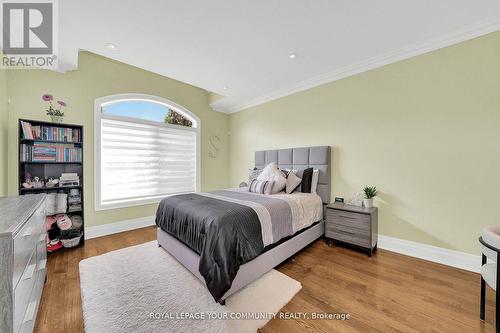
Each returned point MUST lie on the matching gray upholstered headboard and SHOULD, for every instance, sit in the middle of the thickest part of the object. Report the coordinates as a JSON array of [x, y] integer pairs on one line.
[[301, 159]]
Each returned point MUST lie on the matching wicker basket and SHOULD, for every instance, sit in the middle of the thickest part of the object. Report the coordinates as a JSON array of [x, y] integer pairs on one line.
[[72, 242]]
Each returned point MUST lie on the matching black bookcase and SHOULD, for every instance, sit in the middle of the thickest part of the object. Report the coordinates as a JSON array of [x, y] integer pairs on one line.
[[30, 167]]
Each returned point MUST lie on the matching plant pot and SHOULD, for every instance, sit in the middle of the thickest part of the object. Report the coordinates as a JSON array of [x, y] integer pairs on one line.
[[368, 203], [56, 119]]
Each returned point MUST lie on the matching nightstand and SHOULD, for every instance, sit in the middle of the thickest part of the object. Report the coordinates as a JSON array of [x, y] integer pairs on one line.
[[352, 225]]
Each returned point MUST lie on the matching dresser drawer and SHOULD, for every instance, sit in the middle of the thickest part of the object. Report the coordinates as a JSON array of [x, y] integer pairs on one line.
[[39, 216], [24, 245], [29, 318], [41, 252], [360, 221], [348, 236], [22, 292]]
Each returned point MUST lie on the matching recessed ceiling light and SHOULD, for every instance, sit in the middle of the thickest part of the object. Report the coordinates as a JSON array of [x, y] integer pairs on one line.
[[111, 46], [225, 88], [293, 55]]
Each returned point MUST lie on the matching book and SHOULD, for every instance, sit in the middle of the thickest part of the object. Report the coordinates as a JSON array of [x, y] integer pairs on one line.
[[49, 152], [50, 133]]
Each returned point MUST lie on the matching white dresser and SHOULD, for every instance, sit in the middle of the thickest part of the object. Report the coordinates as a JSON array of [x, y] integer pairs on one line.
[[23, 260]]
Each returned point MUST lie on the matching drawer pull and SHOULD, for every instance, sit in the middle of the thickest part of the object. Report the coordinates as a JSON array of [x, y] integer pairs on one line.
[[28, 232], [347, 232], [30, 312], [28, 274], [348, 217], [43, 264]]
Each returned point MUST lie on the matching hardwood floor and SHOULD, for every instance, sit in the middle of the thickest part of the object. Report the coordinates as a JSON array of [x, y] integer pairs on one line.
[[386, 293]]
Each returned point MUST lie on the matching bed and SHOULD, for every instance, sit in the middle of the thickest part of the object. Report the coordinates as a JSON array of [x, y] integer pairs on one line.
[[215, 234]]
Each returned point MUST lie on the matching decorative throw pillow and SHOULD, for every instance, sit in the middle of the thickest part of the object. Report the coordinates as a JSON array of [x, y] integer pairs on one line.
[[307, 180], [272, 173], [314, 180], [285, 172], [261, 186], [268, 171], [253, 174], [292, 182]]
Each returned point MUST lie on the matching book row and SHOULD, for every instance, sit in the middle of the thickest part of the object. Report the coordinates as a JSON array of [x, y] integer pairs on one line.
[[43, 152], [50, 133]]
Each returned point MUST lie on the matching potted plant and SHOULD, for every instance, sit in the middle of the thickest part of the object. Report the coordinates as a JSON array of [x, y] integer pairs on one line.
[[370, 193], [56, 115]]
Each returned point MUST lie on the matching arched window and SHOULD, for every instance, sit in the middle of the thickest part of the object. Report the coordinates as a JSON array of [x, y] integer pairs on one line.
[[146, 148]]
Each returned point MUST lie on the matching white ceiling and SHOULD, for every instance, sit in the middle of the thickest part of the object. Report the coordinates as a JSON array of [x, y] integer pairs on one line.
[[245, 45]]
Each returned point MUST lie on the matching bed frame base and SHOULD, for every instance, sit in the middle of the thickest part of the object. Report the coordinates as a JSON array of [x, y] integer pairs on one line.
[[250, 271]]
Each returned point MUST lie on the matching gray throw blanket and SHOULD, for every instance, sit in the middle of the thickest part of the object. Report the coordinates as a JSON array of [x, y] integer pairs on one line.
[[225, 235]]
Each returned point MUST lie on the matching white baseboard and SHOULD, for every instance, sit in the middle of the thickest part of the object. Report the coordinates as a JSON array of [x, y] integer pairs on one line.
[[113, 228], [467, 261]]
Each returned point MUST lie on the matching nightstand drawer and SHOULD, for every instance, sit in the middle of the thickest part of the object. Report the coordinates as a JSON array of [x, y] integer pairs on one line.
[[351, 237], [348, 219]]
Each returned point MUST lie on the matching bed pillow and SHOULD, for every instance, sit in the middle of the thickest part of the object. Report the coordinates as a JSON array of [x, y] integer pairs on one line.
[[261, 186], [286, 172], [292, 182], [253, 174], [314, 180], [307, 180], [268, 171], [272, 173]]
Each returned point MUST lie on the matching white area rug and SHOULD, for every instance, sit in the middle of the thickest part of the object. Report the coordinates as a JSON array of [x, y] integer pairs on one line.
[[144, 289]]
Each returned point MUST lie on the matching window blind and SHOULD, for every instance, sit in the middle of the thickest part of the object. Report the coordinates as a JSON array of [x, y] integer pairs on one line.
[[142, 161]]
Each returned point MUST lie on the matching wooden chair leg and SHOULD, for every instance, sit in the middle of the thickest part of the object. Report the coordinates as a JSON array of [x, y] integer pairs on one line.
[[483, 300], [483, 292]]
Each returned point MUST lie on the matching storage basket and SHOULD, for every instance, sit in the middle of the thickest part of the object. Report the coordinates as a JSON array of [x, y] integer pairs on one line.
[[72, 242]]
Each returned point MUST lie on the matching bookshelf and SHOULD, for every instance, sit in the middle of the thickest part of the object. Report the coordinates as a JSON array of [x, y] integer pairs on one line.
[[54, 151]]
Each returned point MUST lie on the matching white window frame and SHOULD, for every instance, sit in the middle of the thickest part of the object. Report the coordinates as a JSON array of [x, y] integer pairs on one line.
[[98, 115]]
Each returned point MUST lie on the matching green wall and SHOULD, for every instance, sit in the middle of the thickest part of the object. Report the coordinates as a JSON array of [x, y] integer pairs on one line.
[[4, 116], [96, 77], [425, 131]]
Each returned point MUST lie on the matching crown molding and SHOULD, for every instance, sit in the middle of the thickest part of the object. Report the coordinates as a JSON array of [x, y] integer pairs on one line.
[[464, 34]]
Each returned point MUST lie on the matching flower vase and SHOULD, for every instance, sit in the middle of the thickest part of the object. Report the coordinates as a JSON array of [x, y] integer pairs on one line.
[[56, 119], [368, 203]]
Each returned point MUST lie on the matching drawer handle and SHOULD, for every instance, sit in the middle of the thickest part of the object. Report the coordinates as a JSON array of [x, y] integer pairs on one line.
[[347, 232], [28, 232], [30, 312], [43, 264], [28, 274], [348, 217]]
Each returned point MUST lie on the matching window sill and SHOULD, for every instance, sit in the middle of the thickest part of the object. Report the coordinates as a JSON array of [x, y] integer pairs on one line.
[[132, 203]]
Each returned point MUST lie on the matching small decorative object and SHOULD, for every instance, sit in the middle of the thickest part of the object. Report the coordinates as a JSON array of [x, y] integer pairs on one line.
[[38, 183], [52, 182], [356, 199], [28, 183], [243, 184], [370, 193], [214, 142], [56, 115]]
